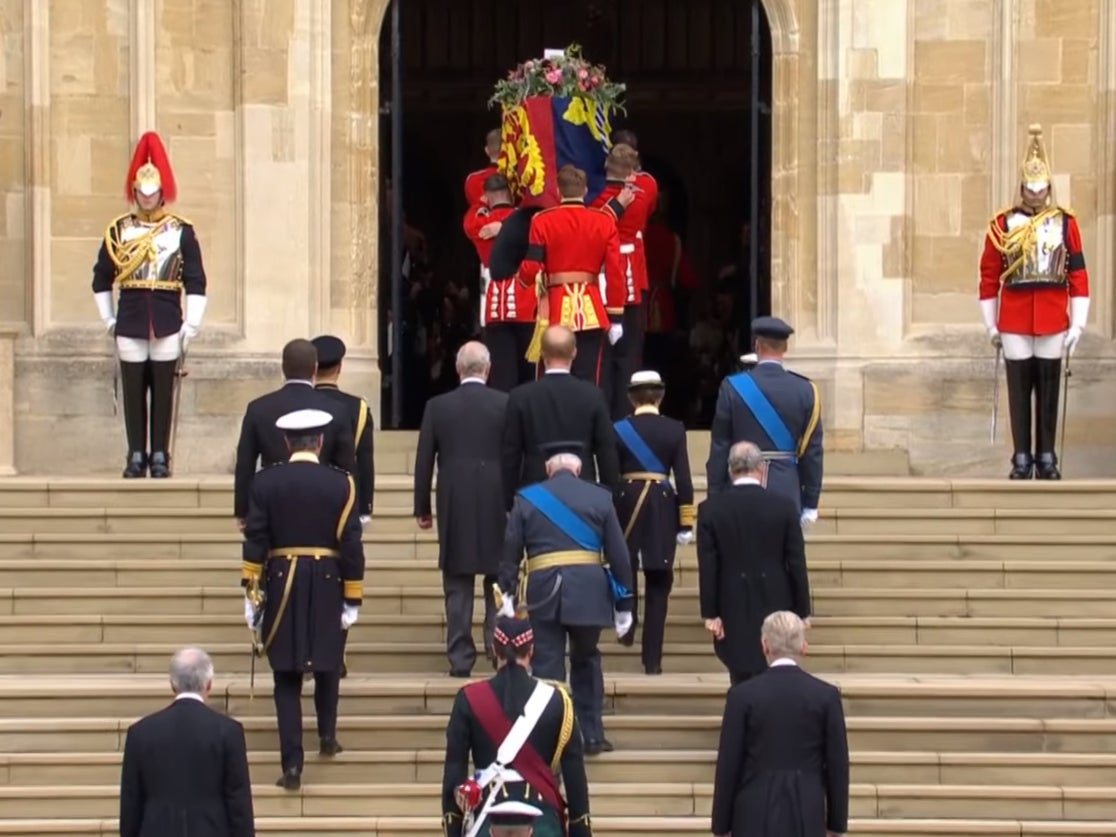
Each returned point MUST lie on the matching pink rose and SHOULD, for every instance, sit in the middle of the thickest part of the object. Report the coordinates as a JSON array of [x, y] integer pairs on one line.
[[583, 74], [554, 76], [595, 80], [530, 65]]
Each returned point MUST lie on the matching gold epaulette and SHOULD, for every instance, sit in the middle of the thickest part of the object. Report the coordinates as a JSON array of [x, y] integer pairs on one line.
[[560, 685], [1065, 210], [179, 218]]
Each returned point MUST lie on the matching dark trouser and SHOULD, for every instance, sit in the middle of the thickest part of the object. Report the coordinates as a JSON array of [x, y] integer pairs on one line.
[[737, 677], [656, 598], [624, 360], [507, 345], [1040, 379], [460, 648], [586, 674], [288, 712], [135, 380], [591, 350]]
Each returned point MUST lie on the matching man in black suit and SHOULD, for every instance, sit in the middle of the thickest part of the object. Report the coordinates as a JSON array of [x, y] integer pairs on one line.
[[185, 767], [751, 562], [783, 760], [462, 430], [261, 441], [555, 408]]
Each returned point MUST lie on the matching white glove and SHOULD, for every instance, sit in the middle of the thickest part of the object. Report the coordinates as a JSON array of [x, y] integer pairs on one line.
[[1079, 316], [349, 615], [1072, 337], [615, 332], [195, 313], [808, 516], [365, 519], [622, 622], [104, 309], [988, 313], [249, 613], [685, 537], [507, 608]]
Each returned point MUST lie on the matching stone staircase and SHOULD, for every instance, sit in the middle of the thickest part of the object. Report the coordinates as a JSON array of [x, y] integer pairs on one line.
[[970, 626]]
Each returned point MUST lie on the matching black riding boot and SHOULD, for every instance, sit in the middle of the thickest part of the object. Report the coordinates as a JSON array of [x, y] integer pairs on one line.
[[162, 402], [1020, 383], [1049, 379], [133, 384]]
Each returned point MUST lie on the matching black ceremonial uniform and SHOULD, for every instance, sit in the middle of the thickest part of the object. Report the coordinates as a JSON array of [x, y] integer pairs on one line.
[[261, 440], [652, 512], [569, 531], [360, 416], [302, 542], [556, 739], [783, 417]]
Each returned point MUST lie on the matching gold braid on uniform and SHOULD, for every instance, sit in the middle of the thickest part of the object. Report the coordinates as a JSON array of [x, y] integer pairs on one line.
[[687, 514], [447, 821], [566, 732], [1014, 245], [584, 818], [129, 256]]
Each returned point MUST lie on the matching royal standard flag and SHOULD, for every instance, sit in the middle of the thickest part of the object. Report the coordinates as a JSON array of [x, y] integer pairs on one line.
[[545, 133]]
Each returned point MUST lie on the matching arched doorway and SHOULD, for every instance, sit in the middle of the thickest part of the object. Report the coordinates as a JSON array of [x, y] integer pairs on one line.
[[689, 70]]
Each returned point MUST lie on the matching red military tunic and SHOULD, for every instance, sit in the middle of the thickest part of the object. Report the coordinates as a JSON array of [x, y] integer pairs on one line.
[[1034, 275], [630, 223], [474, 184], [574, 238], [667, 268], [506, 300]]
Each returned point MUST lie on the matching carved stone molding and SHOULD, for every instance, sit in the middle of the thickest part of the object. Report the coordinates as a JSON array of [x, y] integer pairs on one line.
[[142, 43], [828, 212], [8, 334], [1104, 131], [321, 158], [36, 50], [1005, 101]]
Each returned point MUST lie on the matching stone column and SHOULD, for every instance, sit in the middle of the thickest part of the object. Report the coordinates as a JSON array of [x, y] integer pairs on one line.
[[8, 334]]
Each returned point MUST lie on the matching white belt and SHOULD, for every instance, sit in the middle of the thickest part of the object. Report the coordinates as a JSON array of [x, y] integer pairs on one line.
[[627, 249], [639, 235], [486, 274]]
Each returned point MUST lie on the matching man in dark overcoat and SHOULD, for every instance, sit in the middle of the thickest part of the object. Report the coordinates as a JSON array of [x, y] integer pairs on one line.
[[655, 517], [462, 431], [577, 579], [303, 572], [783, 760], [262, 442], [556, 408], [751, 562], [777, 410]]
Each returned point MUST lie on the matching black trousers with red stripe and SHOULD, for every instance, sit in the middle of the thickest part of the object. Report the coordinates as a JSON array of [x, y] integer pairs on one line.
[[592, 348], [507, 346]]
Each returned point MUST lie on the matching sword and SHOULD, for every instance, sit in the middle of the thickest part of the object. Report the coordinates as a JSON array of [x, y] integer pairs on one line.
[[1065, 403], [996, 394], [498, 596], [179, 373], [256, 597]]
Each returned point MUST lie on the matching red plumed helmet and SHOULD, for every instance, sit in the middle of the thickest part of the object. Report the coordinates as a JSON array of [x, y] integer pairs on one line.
[[151, 170]]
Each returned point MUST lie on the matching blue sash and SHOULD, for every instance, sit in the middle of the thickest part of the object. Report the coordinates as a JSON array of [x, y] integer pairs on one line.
[[639, 448], [563, 517], [769, 420]]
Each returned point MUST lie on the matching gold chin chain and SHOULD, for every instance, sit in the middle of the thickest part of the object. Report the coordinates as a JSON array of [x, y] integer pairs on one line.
[[129, 256], [1015, 245]]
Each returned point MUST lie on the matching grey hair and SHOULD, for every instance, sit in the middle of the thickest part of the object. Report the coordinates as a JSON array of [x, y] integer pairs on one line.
[[473, 360], [784, 633], [744, 458], [191, 670], [563, 462]]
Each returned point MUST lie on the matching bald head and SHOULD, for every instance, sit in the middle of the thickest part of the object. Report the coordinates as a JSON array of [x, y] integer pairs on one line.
[[559, 346], [473, 360]]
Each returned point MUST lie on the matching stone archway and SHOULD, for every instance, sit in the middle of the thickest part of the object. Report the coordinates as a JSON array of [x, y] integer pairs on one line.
[[357, 26]]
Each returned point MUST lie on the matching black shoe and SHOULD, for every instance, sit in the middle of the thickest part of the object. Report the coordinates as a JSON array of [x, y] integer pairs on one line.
[[137, 466], [595, 748], [1046, 467], [460, 672], [1022, 467], [652, 669], [330, 747], [160, 467], [344, 670], [291, 780]]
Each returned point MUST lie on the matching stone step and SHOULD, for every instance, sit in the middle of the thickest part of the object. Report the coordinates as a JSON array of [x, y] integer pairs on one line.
[[428, 658], [827, 630], [330, 826], [843, 521], [891, 801], [650, 766], [429, 601], [392, 572], [1065, 697], [627, 732], [420, 545]]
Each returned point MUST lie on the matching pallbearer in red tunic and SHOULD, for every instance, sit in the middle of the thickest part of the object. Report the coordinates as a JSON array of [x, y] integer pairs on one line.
[[574, 256], [474, 181], [1034, 267], [508, 305], [632, 205]]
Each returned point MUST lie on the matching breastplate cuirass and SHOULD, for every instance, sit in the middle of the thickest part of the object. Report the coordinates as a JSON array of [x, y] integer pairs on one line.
[[164, 250], [1043, 250]]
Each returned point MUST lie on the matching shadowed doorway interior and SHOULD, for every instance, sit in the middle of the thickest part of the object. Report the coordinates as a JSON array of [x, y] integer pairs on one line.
[[688, 69]]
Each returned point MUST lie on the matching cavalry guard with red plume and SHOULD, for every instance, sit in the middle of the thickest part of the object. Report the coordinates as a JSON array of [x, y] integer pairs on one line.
[[150, 255], [1034, 268]]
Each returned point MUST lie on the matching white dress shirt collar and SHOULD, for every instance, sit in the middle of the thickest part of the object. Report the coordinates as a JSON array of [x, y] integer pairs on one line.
[[298, 381], [783, 661], [557, 371], [745, 481], [304, 456], [189, 696], [474, 380]]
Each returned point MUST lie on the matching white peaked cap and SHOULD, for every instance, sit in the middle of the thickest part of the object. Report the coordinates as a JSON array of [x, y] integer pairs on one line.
[[513, 808], [304, 420], [646, 378], [751, 357]]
